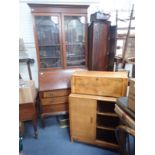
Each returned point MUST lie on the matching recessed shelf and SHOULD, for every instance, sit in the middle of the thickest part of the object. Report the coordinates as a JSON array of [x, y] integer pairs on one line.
[[70, 44], [50, 45], [105, 128], [106, 135], [107, 114], [72, 56], [105, 144], [105, 107], [108, 121]]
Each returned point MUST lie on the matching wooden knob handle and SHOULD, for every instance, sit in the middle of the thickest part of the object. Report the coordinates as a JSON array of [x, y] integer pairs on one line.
[[91, 120]]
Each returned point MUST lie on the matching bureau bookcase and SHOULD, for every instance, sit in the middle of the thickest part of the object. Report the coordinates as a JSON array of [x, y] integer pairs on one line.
[[60, 33]]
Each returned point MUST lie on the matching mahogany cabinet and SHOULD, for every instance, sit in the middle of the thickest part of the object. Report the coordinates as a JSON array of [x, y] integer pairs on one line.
[[60, 33], [101, 46]]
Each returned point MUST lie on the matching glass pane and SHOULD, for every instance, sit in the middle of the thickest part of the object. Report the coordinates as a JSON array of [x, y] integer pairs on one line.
[[75, 55], [49, 56], [48, 40], [75, 40]]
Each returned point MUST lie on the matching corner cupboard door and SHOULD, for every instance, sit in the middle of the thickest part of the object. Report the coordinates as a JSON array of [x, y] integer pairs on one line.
[[82, 118]]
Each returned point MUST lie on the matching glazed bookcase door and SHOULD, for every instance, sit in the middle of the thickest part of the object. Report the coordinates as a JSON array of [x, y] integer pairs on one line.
[[49, 42], [75, 40]]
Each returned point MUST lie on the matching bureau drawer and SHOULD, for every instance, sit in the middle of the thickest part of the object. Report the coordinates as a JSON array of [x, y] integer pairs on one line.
[[55, 108], [56, 93], [54, 100]]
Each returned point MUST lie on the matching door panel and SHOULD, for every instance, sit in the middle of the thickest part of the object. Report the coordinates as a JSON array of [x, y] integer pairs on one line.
[[100, 46], [49, 42], [74, 27], [82, 117]]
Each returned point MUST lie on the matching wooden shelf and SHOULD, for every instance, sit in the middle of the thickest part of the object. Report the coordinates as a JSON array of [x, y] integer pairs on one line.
[[49, 57], [45, 24], [125, 28], [49, 45], [107, 114], [70, 44], [123, 36], [74, 56], [105, 128], [107, 144]]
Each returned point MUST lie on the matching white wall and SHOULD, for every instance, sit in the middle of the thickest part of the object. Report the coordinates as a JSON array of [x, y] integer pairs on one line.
[[26, 27], [26, 32]]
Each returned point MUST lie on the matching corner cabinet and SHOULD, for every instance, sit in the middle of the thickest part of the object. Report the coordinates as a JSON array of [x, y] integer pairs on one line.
[[60, 33], [98, 45], [102, 46]]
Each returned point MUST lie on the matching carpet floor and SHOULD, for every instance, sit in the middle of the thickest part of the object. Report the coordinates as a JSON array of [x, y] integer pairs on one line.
[[53, 140]]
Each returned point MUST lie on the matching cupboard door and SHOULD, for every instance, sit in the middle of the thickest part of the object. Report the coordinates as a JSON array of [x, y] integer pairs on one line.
[[75, 40], [82, 117], [99, 46], [49, 43]]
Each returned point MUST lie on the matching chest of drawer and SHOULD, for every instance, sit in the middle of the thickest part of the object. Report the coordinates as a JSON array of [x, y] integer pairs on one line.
[[54, 100], [56, 93]]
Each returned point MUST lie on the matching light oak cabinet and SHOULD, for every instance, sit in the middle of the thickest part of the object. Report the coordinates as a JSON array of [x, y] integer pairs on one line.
[[91, 106], [93, 120]]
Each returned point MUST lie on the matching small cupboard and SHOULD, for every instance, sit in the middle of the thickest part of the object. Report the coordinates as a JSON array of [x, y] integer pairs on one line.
[[93, 120], [91, 106]]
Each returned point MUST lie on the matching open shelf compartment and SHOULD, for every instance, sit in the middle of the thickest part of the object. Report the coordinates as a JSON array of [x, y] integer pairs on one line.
[[106, 135], [107, 121], [105, 106]]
